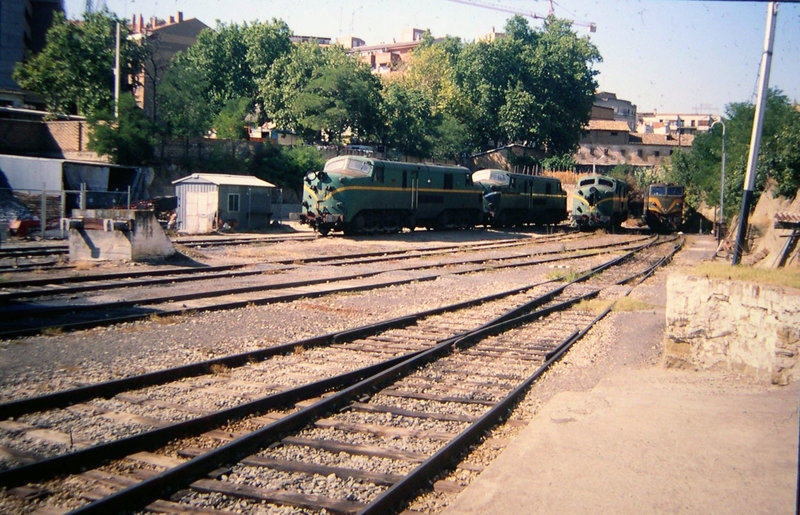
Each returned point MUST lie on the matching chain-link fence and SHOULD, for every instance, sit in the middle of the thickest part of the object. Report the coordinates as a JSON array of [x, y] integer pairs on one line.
[[38, 213]]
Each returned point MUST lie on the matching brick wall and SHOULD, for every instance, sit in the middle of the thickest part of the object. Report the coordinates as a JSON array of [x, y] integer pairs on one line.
[[70, 136], [50, 139]]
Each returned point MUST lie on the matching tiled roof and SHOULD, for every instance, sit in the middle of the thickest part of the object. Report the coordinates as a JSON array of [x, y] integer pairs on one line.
[[607, 125], [685, 140]]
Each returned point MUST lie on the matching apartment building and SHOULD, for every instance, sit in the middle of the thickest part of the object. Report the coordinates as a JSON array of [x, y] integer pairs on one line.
[[23, 27], [624, 110], [674, 123], [385, 57], [166, 38]]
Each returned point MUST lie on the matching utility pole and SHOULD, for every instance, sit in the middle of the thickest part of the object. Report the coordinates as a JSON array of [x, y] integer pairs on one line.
[[116, 77], [755, 139]]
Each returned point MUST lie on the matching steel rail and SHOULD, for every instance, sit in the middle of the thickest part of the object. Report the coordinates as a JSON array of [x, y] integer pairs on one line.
[[96, 455], [28, 311], [108, 388], [6, 297], [396, 496], [139, 495]]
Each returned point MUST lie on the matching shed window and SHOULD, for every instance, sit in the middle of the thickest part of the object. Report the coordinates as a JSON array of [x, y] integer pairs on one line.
[[233, 202]]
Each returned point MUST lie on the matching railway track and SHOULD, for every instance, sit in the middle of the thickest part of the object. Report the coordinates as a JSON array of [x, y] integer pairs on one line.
[[24, 318], [36, 287], [442, 376], [16, 252], [28, 252]]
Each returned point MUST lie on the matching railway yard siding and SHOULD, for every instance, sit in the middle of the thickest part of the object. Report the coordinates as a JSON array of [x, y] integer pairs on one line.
[[732, 325]]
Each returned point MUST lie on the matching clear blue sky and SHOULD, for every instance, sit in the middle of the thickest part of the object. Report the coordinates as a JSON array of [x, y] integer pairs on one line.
[[669, 56]]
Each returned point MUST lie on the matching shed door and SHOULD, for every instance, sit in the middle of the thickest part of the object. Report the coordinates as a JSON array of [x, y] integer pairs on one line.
[[201, 208]]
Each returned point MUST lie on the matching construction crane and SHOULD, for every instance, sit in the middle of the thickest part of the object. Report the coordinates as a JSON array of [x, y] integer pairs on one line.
[[590, 26]]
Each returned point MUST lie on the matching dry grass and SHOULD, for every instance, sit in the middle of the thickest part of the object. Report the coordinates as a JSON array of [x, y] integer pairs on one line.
[[218, 369], [631, 304], [789, 277], [563, 275], [595, 306], [628, 304], [53, 331], [166, 320], [84, 265]]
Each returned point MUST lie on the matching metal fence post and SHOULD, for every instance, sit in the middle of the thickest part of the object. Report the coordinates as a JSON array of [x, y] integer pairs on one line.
[[63, 212], [43, 217]]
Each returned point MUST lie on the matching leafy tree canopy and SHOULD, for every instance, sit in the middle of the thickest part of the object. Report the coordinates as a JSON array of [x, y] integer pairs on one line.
[[534, 86], [315, 91], [126, 140], [779, 158], [228, 60], [74, 73]]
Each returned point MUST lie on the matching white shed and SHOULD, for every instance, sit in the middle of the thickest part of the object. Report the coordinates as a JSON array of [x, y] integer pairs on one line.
[[207, 201]]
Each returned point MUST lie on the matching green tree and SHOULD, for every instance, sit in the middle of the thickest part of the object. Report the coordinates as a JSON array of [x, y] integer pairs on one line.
[[227, 61], [423, 107], [534, 85], [700, 167], [229, 123], [315, 91], [128, 139], [74, 72], [410, 120], [184, 112], [340, 98]]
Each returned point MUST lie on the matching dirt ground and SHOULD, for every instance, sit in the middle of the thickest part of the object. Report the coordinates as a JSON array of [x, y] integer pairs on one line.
[[622, 434]]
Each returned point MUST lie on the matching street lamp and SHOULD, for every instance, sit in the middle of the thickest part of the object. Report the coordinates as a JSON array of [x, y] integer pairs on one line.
[[722, 184]]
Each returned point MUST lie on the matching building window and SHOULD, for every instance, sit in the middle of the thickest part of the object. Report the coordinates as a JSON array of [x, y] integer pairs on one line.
[[613, 133], [233, 202], [656, 153], [622, 151], [639, 153]]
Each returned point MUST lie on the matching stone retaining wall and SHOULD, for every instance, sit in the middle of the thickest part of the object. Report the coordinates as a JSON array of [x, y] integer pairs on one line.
[[731, 325]]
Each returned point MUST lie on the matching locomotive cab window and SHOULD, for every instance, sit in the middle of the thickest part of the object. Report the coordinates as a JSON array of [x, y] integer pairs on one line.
[[675, 190], [468, 179], [377, 174], [349, 167], [605, 182], [657, 190], [587, 182], [548, 188], [448, 181]]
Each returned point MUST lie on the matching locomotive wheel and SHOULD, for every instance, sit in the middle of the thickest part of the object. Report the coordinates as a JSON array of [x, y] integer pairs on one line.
[[442, 221], [359, 223]]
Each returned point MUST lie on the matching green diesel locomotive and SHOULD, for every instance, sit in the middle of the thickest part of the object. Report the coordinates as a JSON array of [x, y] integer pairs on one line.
[[361, 195], [599, 201], [512, 199]]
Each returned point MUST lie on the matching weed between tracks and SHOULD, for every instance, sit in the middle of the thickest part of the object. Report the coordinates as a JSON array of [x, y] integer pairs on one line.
[[169, 319], [629, 304]]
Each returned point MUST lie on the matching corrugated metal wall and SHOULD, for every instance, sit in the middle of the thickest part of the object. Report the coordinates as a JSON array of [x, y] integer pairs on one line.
[[197, 207]]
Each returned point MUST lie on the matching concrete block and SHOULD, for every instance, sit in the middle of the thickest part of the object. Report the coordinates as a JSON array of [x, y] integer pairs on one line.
[[117, 235]]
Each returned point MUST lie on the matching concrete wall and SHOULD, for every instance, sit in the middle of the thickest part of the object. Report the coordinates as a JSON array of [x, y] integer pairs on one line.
[[144, 241], [732, 325]]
